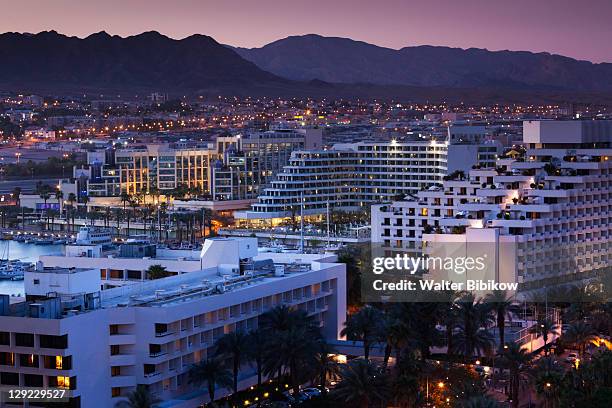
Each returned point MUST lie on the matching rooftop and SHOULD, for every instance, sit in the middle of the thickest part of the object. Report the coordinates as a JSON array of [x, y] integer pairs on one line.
[[61, 271], [206, 282]]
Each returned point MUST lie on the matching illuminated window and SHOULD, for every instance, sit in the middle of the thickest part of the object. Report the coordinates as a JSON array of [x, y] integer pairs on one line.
[[63, 382], [58, 362], [424, 212]]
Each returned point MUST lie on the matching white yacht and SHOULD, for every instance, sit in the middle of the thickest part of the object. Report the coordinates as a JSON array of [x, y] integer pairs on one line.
[[93, 236]]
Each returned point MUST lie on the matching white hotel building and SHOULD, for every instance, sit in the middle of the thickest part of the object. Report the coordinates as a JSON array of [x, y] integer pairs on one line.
[[350, 177], [99, 345], [550, 210]]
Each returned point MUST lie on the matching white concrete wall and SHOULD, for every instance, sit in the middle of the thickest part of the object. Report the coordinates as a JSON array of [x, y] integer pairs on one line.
[[81, 281], [567, 131], [536, 131], [136, 264]]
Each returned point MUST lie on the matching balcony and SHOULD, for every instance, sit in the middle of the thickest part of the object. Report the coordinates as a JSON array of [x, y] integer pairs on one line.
[[123, 381], [122, 360], [513, 223], [122, 339], [152, 374], [164, 333], [158, 354]]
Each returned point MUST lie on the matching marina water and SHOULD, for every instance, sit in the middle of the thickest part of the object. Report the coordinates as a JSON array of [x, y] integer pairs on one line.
[[26, 253]]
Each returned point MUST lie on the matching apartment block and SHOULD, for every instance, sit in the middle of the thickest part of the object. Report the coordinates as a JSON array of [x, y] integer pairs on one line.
[[252, 161], [552, 206], [99, 345], [350, 177], [163, 168]]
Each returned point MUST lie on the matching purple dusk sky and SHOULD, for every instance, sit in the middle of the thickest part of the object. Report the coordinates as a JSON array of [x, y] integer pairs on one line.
[[577, 28]]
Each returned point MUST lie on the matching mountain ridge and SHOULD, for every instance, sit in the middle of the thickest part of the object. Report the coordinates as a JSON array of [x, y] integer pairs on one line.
[[53, 63], [147, 60], [343, 60]]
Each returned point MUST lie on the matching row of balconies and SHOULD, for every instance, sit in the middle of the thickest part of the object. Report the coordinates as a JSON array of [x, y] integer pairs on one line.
[[173, 363]]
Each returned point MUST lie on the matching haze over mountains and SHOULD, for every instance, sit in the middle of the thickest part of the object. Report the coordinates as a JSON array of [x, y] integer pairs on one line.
[[308, 65], [343, 60]]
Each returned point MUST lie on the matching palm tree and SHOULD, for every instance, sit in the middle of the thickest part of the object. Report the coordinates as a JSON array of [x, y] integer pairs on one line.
[[139, 398], [154, 191], [85, 200], [365, 325], [213, 373], [420, 333], [206, 221], [517, 359], [544, 328], [256, 351], [405, 384], [118, 219], [72, 199], [157, 272], [473, 319], [124, 198], [392, 334], [107, 215], [295, 349], [548, 385], [580, 334], [285, 327], [134, 204], [17, 196], [326, 367], [52, 214], [501, 304], [448, 317], [146, 212], [181, 190], [179, 220], [161, 213], [362, 384], [278, 319], [233, 344], [128, 217], [355, 258], [59, 195]]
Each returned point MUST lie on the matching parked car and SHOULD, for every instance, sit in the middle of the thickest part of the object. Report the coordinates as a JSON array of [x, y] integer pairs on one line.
[[312, 392]]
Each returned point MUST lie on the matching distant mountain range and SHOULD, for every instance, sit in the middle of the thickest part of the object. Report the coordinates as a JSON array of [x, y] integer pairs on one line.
[[342, 60], [148, 61], [308, 65]]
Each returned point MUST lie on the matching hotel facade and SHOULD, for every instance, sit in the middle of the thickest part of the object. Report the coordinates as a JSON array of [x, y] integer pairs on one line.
[[98, 345], [550, 209], [230, 168], [350, 177]]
